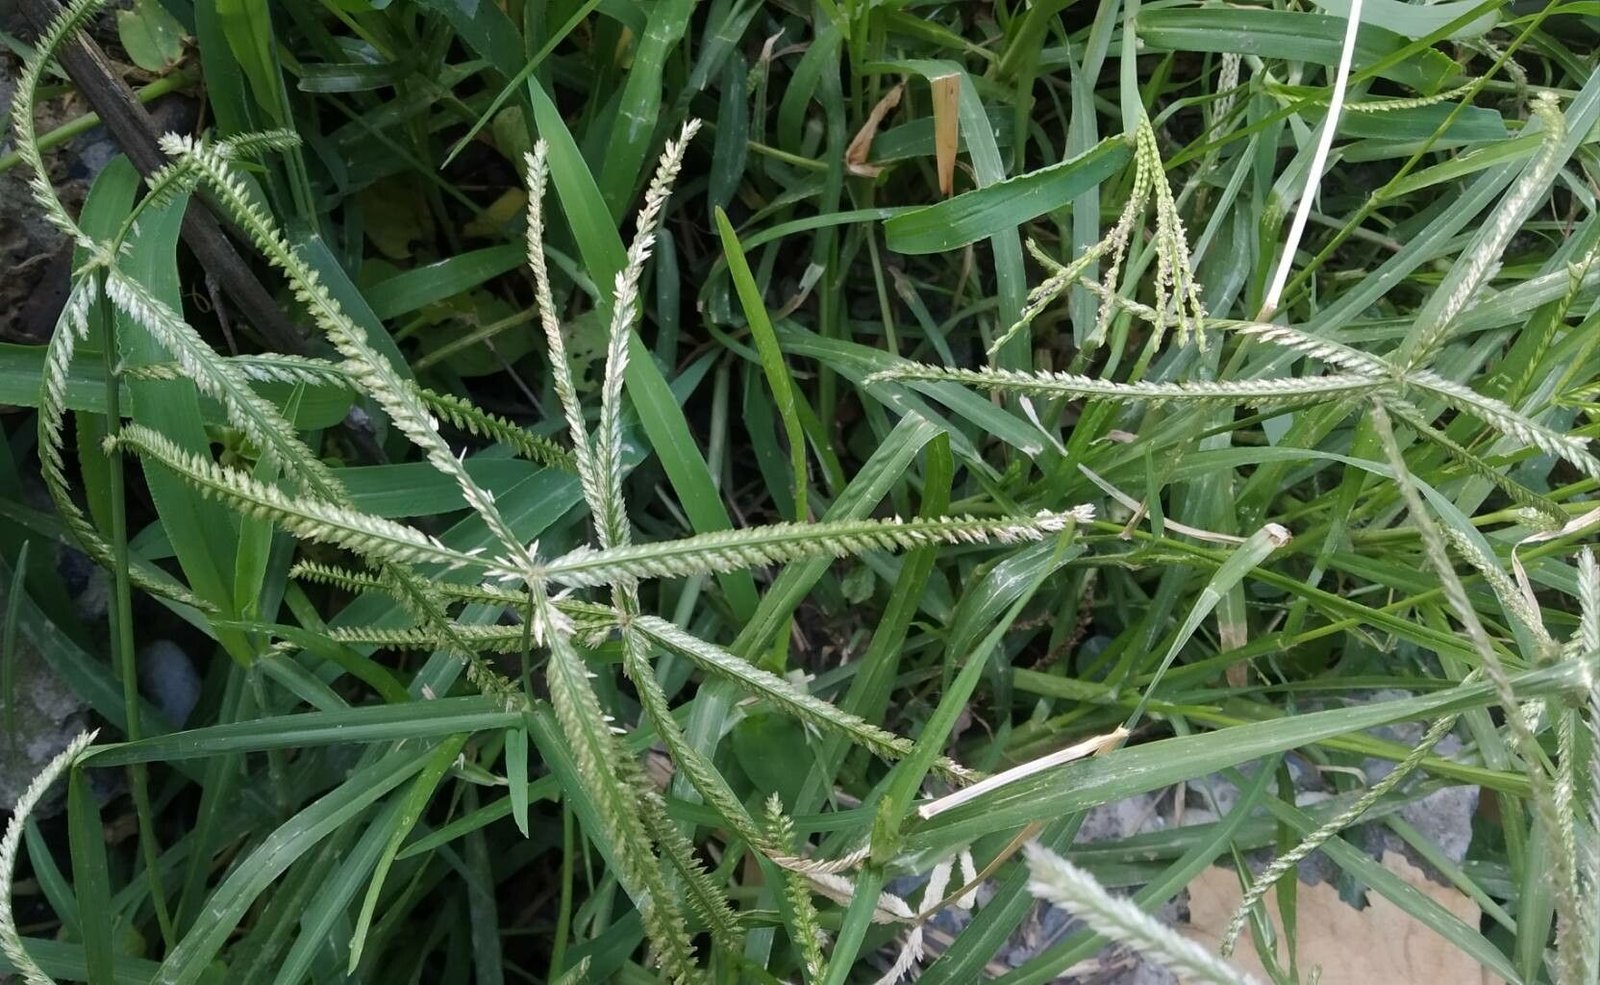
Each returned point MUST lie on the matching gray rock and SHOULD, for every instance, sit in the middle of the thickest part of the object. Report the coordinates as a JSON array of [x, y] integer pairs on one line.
[[87, 584], [1124, 818], [1444, 817], [42, 714], [168, 678]]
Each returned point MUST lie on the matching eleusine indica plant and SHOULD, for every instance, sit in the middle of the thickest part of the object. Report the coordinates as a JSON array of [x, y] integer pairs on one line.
[[565, 604], [655, 863], [1385, 387]]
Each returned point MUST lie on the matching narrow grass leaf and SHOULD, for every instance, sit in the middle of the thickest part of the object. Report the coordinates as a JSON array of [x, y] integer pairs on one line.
[[413, 802], [372, 723], [8, 640], [1233, 571], [91, 878], [639, 106], [231, 900], [772, 363], [1005, 205], [1136, 769], [517, 776], [1290, 35]]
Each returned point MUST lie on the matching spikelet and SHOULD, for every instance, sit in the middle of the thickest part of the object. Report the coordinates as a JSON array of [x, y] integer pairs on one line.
[[370, 369], [303, 516], [257, 417], [555, 343], [449, 408], [1058, 881], [10, 938], [1286, 861], [1503, 418], [1247, 393], [597, 755], [1473, 269], [792, 700], [1325, 350], [610, 512], [782, 543], [73, 16], [1588, 930], [1177, 292], [1564, 889], [806, 930], [72, 326]]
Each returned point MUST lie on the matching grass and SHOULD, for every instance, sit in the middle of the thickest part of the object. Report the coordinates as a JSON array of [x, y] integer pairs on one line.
[[639, 554]]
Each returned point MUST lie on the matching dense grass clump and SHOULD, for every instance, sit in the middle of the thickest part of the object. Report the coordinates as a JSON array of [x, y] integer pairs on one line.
[[696, 471]]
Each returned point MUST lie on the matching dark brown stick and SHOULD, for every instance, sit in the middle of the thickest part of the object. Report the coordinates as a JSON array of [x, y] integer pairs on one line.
[[135, 132]]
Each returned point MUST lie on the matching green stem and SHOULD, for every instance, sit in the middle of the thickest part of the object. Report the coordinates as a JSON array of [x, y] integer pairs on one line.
[[83, 124], [558, 952], [121, 618], [779, 154]]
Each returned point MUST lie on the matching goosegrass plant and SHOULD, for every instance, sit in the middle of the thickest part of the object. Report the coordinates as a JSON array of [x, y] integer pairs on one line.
[[1177, 532], [633, 819], [1377, 383]]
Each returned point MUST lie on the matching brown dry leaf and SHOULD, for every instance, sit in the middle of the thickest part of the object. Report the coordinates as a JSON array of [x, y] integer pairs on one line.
[[946, 128], [1378, 945], [855, 156], [766, 50]]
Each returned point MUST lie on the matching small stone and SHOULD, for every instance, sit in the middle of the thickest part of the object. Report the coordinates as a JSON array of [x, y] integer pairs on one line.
[[45, 714], [168, 678]]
